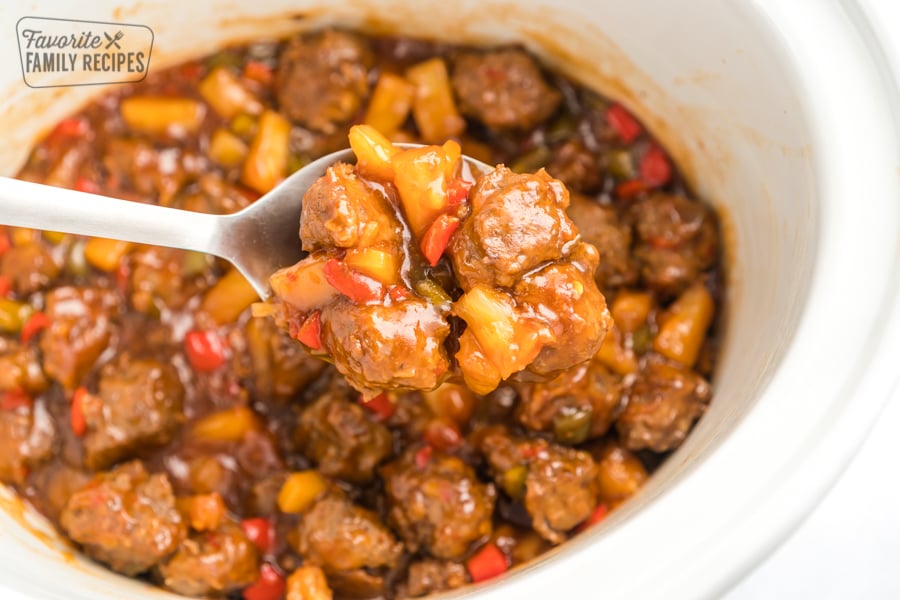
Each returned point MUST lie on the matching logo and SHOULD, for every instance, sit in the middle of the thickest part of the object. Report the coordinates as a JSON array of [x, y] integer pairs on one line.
[[64, 52]]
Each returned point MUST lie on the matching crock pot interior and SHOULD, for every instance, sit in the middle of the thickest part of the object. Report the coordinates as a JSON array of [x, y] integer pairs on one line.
[[711, 81]]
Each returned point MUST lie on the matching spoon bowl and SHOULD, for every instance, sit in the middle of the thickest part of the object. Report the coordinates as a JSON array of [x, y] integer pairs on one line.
[[258, 240]]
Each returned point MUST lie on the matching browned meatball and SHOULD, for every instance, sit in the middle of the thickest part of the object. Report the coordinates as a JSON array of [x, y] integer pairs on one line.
[[52, 484], [323, 78], [81, 324], [410, 417], [29, 267], [212, 563], [578, 404], [139, 404], [342, 439], [601, 226], [277, 366], [125, 518], [677, 238], [504, 89], [575, 166], [165, 278], [664, 402], [558, 485], [340, 211], [436, 503], [27, 435], [433, 576], [341, 537], [384, 347], [566, 298], [518, 221], [152, 173], [560, 491], [20, 368]]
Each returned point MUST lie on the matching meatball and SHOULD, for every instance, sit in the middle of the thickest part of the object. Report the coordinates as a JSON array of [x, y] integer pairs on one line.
[[504, 89], [558, 484], [341, 537], [125, 518], [578, 404], [342, 439], [322, 79], [377, 347], [341, 211], [81, 325], [518, 221], [156, 174], [27, 435], [160, 279], [139, 404], [601, 226], [53, 483], [277, 367], [664, 402], [20, 368], [212, 563], [28, 268], [677, 238], [575, 166], [436, 503], [565, 296], [432, 576]]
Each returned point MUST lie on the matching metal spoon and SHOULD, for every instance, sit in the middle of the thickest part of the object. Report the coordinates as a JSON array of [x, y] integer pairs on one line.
[[258, 240]]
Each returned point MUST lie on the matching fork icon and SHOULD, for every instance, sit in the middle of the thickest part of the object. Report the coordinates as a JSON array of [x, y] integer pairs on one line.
[[114, 40]]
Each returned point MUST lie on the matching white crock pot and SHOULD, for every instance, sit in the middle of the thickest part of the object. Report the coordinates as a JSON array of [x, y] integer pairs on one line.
[[782, 113]]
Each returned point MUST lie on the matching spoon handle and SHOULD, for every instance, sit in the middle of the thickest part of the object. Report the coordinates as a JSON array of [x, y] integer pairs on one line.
[[39, 206]]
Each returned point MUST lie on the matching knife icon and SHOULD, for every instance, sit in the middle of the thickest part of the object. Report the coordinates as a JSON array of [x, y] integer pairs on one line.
[[114, 40]]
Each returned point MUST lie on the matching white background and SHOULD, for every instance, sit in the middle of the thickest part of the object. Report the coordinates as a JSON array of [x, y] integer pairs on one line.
[[849, 546]]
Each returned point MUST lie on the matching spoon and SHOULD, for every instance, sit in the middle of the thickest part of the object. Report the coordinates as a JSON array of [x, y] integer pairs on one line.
[[258, 240]]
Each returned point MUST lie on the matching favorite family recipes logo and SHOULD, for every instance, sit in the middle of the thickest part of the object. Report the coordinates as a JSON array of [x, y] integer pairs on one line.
[[63, 52]]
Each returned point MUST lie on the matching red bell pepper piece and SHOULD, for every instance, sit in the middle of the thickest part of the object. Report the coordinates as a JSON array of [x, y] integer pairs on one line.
[[85, 184], [625, 125], [5, 244], [205, 350], [5, 286], [631, 188], [258, 71], [69, 128], [399, 293], [76, 416], [458, 191], [310, 332], [123, 275], [435, 240], [15, 399], [487, 563], [191, 71], [35, 323], [597, 515], [355, 286], [269, 586], [423, 455], [260, 531], [442, 434], [655, 167], [381, 405]]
